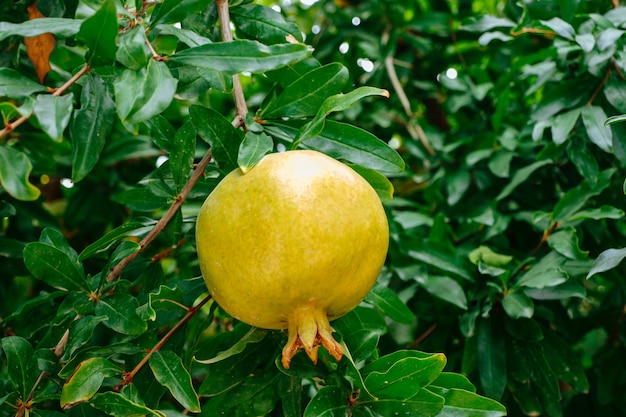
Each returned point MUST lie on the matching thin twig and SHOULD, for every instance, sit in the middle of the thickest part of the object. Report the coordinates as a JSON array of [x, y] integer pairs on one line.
[[227, 36], [422, 337], [414, 129], [10, 127], [163, 221], [192, 312]]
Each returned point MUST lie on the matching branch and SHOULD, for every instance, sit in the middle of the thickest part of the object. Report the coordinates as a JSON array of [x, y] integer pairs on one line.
[[238, 121], [227, 36], [11, 126], [192, 312], [414, 129]]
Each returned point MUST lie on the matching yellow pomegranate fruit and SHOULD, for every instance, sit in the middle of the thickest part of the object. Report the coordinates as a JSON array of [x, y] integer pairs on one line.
[[295, 242]]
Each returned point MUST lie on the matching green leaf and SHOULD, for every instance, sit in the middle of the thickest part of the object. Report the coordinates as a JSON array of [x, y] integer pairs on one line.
[[491, 358], [361, 329], [174, 11], [105, 242], [264, 24], [563, 125], [488, 256], [388, 302], [615, 119], [547, 272], [15, 169], [132, 51], [21, 364], [86, 380], [330, 401], [615, 94], [168, 369], [461, 403], [400, 374], [380, 183], [91, 126], [338, 102], [15, 85], [575, 198], [99, 32], [141, 199], [487, 22], [54, 267], [561, 27], [81, 332], [599, 213], [53, 114], [116, 404], [444, 288], [62, 28], [584, 160], [252, 149], [607, 260], [424, 404], [218, 132], [594, 119], [517, 305], [431, 254], [254, 335], [565, 242], [565, 362], [242, 55], [182, 154], [452, 380], [520, 176], [164, 299], [305, 96], [121, 309], [350, 143], [141, 95]]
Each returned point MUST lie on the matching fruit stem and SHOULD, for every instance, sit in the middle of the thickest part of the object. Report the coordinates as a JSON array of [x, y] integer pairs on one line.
[[308, 328]]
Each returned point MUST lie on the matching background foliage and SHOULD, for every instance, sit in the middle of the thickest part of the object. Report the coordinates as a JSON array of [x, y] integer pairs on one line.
[[506, 218]]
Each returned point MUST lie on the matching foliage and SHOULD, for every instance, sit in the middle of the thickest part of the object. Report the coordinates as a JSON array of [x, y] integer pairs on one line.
[[506, 235]]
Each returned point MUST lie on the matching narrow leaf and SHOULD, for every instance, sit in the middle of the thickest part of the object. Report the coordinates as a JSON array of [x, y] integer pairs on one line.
[[91, 126], [491, 358], [99, 32], [60, 27], [261, 22], [520, 176], [53, 114], [461, 403], [168, 369], [304, 97], [252, 149], [607, 260], [121, 309], [86, 380], [219, 133], [338, 102], [105, 242], [116, 404], [181, 157], [21, 364], [54, 267], [388, 302], [254, 335], [380, 183], [15, 169], [517, 305], [594, 119], [242, 55]]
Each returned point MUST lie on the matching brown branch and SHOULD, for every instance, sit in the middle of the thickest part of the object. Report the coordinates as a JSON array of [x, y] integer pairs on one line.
[[414, 129], [605, 79], [422, 337], [11, 126], [190, 313], [227, 36], [241, 111]]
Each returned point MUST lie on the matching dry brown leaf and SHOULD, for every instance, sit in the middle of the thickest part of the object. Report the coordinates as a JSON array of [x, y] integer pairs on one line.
[[39, 47]]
